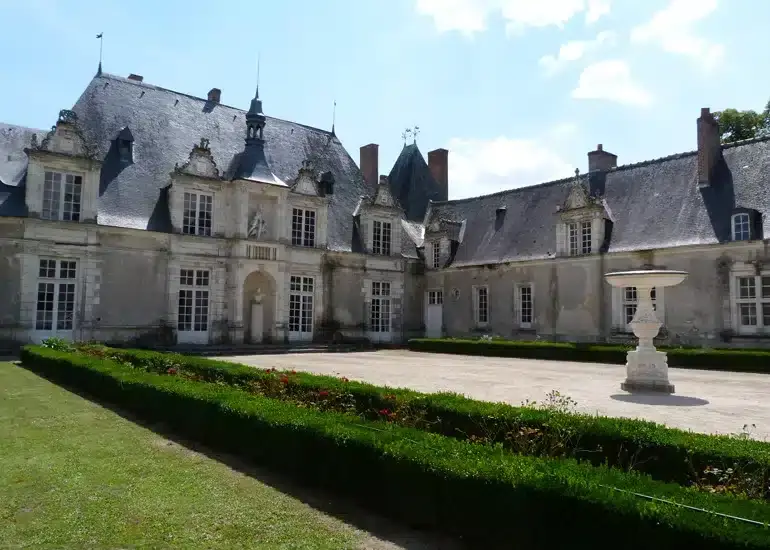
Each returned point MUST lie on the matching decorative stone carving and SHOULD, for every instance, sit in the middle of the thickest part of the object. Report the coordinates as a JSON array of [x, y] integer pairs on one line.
[[258, 296], [258, 225], [200, 162], [65, 137]]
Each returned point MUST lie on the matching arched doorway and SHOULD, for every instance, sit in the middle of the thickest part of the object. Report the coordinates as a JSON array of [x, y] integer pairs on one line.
[[259, 304]]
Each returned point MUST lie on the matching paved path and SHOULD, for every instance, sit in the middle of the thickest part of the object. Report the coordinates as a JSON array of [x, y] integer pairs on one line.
[[706, 401]]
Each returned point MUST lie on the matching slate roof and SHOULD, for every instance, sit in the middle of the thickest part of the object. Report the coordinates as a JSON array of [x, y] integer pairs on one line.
[[653, 204], [165, 126], [13, 167], [412, 184]]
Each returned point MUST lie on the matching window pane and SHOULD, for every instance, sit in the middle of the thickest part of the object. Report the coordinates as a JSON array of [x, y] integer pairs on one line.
[[296, 226], [585, 238], [766, 315], [765, 287], [309, 235], [747, 288], [748, 314], [741, 227]]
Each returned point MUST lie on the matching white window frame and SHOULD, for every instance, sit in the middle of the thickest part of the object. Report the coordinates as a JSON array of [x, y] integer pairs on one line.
[[301, 305], [435, 297], [62, 196], [741, 226], [197, 213], [436, 254], [748, 301], [481, 305], [523, 305], [57, 286], [579, 238], [304, 227], [193, 313], [381, 308], [382, 237]]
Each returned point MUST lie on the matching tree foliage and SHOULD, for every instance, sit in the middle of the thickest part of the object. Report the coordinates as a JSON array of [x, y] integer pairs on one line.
[[735, 125]]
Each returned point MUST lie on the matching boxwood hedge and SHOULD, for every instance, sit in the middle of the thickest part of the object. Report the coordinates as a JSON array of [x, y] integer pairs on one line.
[[490, 499]]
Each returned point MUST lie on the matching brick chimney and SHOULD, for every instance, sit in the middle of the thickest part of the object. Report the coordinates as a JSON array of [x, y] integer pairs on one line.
[[136, 77], [601, 160], [709, 146], [215, 94], [369, 164], [438, 162]]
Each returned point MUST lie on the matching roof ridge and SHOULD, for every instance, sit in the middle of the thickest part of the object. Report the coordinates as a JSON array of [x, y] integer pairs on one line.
[[506, 191], [162, 89], [9, 125]]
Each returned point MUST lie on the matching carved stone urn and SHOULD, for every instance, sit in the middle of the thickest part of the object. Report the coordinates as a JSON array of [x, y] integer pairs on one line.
[[646, 367]]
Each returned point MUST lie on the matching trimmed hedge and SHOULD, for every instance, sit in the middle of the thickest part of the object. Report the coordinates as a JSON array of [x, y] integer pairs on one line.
[[490, 499], [666, 454], [733, 360]]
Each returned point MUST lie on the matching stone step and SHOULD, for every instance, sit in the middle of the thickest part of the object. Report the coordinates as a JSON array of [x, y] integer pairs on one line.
[[267, 349]]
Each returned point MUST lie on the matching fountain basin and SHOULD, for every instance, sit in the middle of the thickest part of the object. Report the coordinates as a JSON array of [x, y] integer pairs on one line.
[[646, 278]]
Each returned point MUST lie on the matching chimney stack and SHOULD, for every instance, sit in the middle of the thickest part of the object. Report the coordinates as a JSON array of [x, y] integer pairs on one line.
[[383, 180], [601, 160], [136, 77], [709, 146], [438, 162], [215, 94], [369, 164]]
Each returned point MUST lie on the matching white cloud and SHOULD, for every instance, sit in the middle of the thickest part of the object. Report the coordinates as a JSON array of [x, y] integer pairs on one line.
[[479, 167], [471, 16], [672, 30], [611, 80], [573, 51]]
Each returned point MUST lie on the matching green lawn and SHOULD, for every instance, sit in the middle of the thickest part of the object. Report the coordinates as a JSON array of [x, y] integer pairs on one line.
[[75, 475]]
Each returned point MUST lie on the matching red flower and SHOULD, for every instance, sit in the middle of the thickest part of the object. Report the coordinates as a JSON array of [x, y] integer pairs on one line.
[[384, 412], [293, 372], [323, 393], [171, 370], [285, 379]]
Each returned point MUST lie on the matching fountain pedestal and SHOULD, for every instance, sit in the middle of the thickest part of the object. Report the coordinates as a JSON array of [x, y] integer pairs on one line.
[[646, 367]]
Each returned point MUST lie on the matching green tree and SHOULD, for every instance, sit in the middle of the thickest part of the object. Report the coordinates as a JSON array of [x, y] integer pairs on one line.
[[735, 125]]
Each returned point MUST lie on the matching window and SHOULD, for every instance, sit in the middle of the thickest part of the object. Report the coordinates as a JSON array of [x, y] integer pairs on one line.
[[753, 303], [55, 309], [630, 301], [381, 237], [481, 305], [303, 227], [741, 227], [380, 310], [61, 196], [436, 249], [526, 306], [435, 297], [198, 209], [193, 314], [579, 238], [301, 304]]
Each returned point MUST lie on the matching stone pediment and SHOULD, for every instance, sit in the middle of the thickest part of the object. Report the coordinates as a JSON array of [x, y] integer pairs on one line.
[[65, 138], [307, 181], [200, 162], [382, 196], [578, 197]]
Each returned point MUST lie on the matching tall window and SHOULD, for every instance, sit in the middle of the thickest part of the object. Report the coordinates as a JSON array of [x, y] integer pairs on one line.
[[301, 304], [61, 196], [303, 227], [193, 314], [481, 305], [526, 306], [579, 237], [380, 311], [631, 300], [198, 210], [381, 237], [435, 297], [436, 250], [741, 227], [56, 295], [753, 303]]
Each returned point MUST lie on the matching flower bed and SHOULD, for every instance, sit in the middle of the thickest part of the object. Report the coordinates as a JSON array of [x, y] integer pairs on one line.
[[715, 463], [489, 498], [733, 360]]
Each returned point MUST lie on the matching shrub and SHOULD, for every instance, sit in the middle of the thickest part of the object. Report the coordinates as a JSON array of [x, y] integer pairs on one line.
[[664, 453], [488, 498]]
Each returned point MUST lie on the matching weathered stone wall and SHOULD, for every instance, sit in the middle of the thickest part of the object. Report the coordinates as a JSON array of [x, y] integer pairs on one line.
[[11, 244]]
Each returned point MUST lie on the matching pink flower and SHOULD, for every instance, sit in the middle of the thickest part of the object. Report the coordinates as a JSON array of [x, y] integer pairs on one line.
[[171, 370], [323, 393]]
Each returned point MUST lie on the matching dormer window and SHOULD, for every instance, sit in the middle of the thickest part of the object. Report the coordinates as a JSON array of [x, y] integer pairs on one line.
[[436, 249], [125, 144], [381, 237], [741, 226], [62, 196], [580, 238]]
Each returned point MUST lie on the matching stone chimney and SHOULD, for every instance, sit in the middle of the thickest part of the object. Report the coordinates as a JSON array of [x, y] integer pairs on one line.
[[136, 77], [383, 180], [438, 162], [601, 160], [215, 94], [709, 146], [369, 164]]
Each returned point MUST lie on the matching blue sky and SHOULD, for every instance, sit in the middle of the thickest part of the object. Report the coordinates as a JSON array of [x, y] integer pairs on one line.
[[518, 90]]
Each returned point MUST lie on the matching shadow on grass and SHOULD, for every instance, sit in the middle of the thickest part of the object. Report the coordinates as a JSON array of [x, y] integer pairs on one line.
[[390, 535], [658, 399]]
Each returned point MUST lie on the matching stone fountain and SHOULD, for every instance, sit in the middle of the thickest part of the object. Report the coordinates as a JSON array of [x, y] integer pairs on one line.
[[646, 367]]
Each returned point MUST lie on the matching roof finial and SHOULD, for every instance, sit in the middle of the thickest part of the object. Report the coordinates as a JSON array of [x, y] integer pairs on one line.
[[257, 96], [415, 133], [405, 134], [577, 173], [334, 116], [100, 36]]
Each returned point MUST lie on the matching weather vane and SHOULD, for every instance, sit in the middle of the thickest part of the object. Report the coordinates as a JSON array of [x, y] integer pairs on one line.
[[415, 133], [405, 134]]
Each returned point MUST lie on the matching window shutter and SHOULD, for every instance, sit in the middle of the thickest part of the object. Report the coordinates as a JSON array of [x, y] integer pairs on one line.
[[617, 308], [561, 239]]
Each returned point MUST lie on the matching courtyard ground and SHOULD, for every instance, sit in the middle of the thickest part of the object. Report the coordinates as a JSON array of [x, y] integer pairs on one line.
[[77, 475], [705, 401]]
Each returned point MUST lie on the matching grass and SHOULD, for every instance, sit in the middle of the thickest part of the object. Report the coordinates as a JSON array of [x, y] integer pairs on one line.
[[76, 475]]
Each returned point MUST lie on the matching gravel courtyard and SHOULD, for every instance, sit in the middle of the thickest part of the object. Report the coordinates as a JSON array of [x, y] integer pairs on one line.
[[705, 401]]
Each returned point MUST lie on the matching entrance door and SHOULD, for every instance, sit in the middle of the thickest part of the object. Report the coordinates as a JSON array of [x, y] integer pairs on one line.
[[434, 313], [55, 309], [301, 308], [380, 320], [193, 306]]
